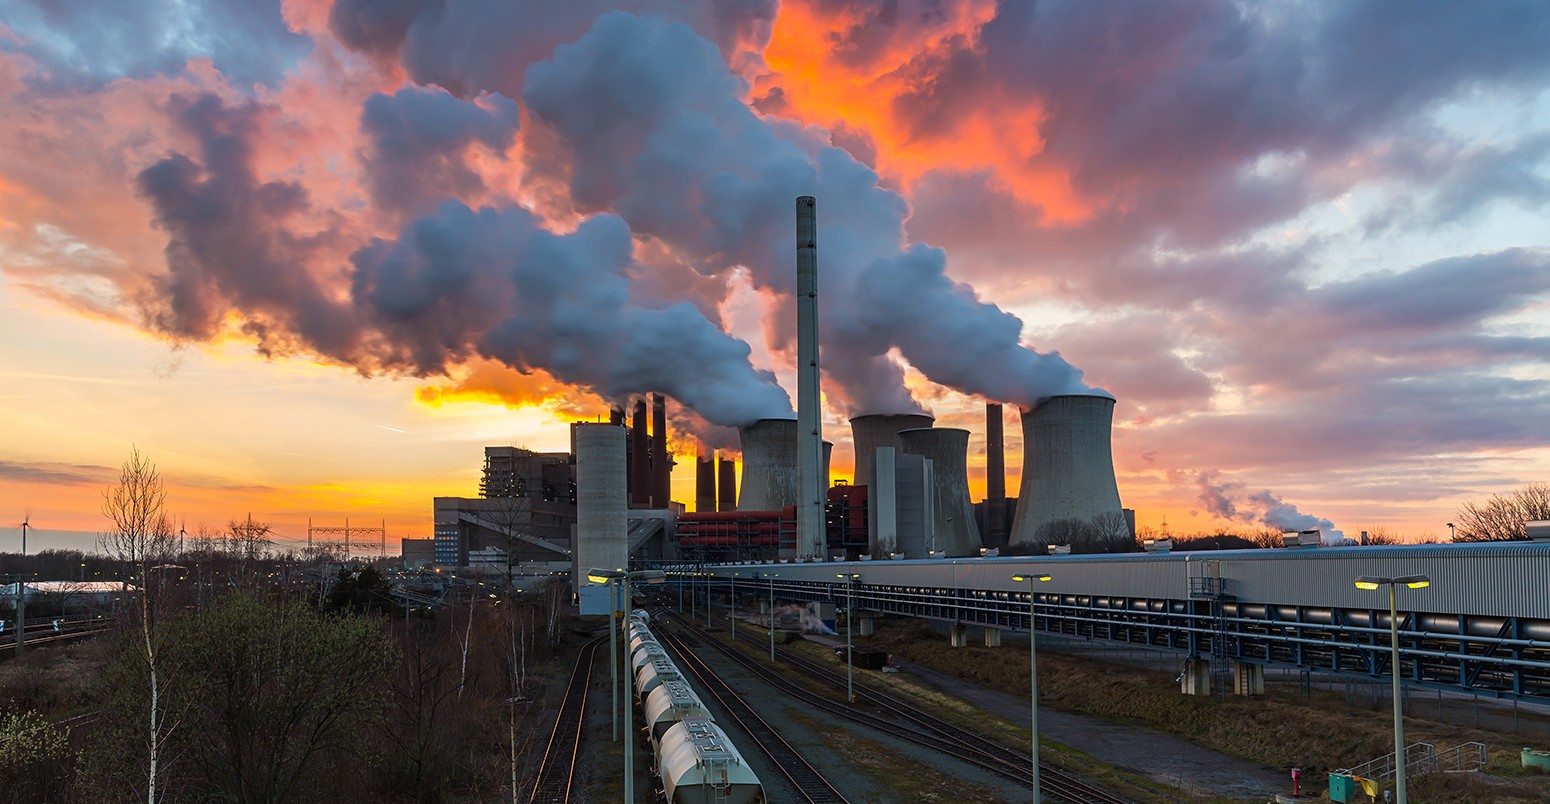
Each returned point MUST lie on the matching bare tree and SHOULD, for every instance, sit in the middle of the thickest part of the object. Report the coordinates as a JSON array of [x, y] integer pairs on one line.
[[142, 540], [1501, 517]]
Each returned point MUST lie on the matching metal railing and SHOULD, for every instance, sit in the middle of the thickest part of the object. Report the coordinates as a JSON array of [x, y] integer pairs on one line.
[[1419, 758], [1466, 758]]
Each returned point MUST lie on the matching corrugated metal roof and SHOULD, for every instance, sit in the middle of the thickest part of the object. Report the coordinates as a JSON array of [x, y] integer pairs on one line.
[[1492, 578]]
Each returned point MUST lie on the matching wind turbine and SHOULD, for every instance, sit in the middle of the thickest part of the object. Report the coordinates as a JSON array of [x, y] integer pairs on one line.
[[21, 590]]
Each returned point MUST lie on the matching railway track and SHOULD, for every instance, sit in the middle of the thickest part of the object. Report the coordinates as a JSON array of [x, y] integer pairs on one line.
[[808, 781], [557, 772], [914, 724]]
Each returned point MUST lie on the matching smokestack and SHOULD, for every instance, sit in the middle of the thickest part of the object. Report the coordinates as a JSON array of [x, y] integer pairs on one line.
[[878, 430], [995, 475], [952, 512], [705, 482], [600, 500], [661, 460], [640, 462], [769, 465], [811, 489], [1068, 465], [726, 484]]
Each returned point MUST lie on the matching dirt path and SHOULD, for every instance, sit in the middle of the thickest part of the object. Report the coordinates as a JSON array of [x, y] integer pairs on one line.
[[1161, 757]]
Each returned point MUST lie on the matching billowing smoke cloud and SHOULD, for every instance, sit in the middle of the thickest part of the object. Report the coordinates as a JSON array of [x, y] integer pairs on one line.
[[654, 127], [419, 142], [455, 284], [1231, 499], [496, 281]]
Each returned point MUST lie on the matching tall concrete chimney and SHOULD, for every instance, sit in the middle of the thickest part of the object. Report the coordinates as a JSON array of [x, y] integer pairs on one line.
[[726, 484], [639, 459], [952, 512], [661, 459], [769, 465], [995, 475], [811, 488], [879, 430], [705, 481], [1068, 465], [599, 540]]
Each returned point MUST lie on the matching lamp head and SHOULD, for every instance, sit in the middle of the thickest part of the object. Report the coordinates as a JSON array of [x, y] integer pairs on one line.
[[1370, 582], [1415, 581]]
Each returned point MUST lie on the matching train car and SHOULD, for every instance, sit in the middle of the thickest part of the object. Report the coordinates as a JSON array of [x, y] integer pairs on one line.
[[699, 765], [646, 654], [650, 675], [668, 704]]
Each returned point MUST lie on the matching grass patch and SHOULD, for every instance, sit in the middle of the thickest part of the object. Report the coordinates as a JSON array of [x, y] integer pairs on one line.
[[1281, 729]]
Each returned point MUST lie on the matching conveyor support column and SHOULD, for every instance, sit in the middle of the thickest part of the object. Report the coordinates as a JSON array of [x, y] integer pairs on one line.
[[1248, 678], [992, 637], [960, 635], [1196, 679]]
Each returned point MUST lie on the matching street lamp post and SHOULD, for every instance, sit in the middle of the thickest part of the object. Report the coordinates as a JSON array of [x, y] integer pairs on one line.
[[1372, 582], [644, 576], [1033, 676], [732, 610], [707, 601], [771, 576], [850, 617], [1452, 535]]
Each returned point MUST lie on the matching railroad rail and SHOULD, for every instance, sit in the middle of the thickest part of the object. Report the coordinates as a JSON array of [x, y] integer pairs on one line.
[[808, 781], [557, 772], [913, 724]]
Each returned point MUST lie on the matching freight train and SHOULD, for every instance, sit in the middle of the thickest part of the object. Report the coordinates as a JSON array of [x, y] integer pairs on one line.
[[696, 761]]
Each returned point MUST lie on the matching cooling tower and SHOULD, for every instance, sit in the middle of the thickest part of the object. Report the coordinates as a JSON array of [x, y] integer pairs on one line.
[[879, 430], [1068, 465], [600, 500], [769, 465], [952, 512]]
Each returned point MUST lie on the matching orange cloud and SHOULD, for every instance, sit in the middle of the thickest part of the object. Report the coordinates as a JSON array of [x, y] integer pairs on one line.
[[489, 382], [846, 70]]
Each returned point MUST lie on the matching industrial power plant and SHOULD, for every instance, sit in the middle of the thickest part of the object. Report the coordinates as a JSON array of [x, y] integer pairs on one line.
[[607, 499]]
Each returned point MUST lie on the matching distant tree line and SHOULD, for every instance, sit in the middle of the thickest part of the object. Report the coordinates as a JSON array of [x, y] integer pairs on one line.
[[227, 681]]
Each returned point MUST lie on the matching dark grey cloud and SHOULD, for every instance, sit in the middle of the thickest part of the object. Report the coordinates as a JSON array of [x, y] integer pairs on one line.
[[59, 474], [95, 41], [469, 47], [232, 245]]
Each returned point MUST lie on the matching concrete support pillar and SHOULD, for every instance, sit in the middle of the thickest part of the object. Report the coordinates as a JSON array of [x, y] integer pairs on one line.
[[1197, 677], [960, 635], [992, 637], [1248, 678], [865, 625]]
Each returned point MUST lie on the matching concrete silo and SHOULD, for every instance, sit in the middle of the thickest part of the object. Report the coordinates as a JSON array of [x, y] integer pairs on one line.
[[600, 500], [952, 512], [880, 430], [1068, 465], [769, 465]]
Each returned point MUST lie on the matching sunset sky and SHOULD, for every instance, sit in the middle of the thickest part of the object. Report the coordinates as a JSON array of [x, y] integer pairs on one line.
[[310, 256]]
